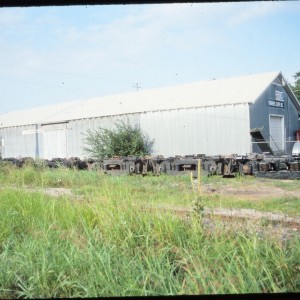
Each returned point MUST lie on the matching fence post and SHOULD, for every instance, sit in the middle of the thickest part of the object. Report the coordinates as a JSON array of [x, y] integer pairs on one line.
[[199, 177]]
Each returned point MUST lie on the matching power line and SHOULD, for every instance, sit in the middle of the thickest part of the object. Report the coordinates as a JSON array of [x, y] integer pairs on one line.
[[137, 86], [60, 85]]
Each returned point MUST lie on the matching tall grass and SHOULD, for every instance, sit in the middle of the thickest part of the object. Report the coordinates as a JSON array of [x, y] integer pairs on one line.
[[107, 244], [60, 177]]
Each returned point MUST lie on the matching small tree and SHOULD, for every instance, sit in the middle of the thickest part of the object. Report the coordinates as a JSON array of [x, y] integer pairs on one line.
[[296, 87], [124, 140]]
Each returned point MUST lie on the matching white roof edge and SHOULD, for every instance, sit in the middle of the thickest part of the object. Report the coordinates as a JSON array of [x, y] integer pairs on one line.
[[122, 114], [276, 74]]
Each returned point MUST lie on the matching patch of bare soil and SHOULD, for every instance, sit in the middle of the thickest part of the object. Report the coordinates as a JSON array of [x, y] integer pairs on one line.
[[232, 213], [263, 223], [253, 192], [57, 192], [242, 192]]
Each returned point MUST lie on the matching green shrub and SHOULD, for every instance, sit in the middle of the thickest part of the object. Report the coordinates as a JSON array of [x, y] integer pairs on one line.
[[124, 140]]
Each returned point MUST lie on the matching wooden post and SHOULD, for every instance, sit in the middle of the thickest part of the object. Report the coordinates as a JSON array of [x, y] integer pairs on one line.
[[192, 182], [199, 177]]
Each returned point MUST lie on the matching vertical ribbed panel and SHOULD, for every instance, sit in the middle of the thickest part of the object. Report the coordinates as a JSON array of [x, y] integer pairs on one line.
[[208, 130]]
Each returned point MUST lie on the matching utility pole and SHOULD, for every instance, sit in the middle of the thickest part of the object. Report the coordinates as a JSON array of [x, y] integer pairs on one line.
[[136, 86]]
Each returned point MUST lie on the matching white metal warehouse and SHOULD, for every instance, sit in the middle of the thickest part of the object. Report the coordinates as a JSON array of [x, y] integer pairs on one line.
[[210, 117]]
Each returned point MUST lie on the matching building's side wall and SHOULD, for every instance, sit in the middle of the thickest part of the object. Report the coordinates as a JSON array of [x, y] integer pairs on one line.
[[77, 129], [208, 130], [262, 109], [19, 141]]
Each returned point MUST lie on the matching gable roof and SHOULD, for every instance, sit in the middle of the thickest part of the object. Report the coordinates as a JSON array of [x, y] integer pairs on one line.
[[244, 89]]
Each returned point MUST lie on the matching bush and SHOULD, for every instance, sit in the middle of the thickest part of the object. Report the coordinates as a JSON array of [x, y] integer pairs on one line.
[[124, 140]]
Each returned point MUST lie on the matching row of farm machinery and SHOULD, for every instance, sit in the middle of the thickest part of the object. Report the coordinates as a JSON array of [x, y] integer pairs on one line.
[[255, 164]]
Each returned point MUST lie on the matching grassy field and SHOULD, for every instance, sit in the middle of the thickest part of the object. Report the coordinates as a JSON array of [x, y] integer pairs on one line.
[[99, 240]]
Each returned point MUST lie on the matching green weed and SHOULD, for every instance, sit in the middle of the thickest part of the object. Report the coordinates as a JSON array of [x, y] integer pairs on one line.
[[107, 243]]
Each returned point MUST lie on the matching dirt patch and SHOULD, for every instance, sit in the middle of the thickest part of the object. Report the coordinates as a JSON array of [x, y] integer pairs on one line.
[[232, 213], [262, 220], [253, 192], [262, 224], [57, 192]]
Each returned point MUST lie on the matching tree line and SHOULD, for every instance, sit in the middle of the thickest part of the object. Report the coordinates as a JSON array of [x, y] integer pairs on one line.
[[296, 87]]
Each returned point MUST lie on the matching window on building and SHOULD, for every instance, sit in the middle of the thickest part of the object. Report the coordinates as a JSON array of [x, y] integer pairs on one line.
[[278, 96]]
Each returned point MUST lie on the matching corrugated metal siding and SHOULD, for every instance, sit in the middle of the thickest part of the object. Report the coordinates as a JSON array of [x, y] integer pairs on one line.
[[54, 140], [210, 130], [20, 141], [54, 144], [77, 129]]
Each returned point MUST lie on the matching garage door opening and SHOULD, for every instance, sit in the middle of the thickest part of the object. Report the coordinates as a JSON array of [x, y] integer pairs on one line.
[[277, 133]]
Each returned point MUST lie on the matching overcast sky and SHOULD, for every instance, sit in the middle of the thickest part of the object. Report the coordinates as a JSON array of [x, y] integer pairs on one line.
[[57, 54]]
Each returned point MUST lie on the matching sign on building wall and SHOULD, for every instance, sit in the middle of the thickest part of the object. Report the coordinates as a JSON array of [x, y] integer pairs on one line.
[[275, 103], [278, 102]]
